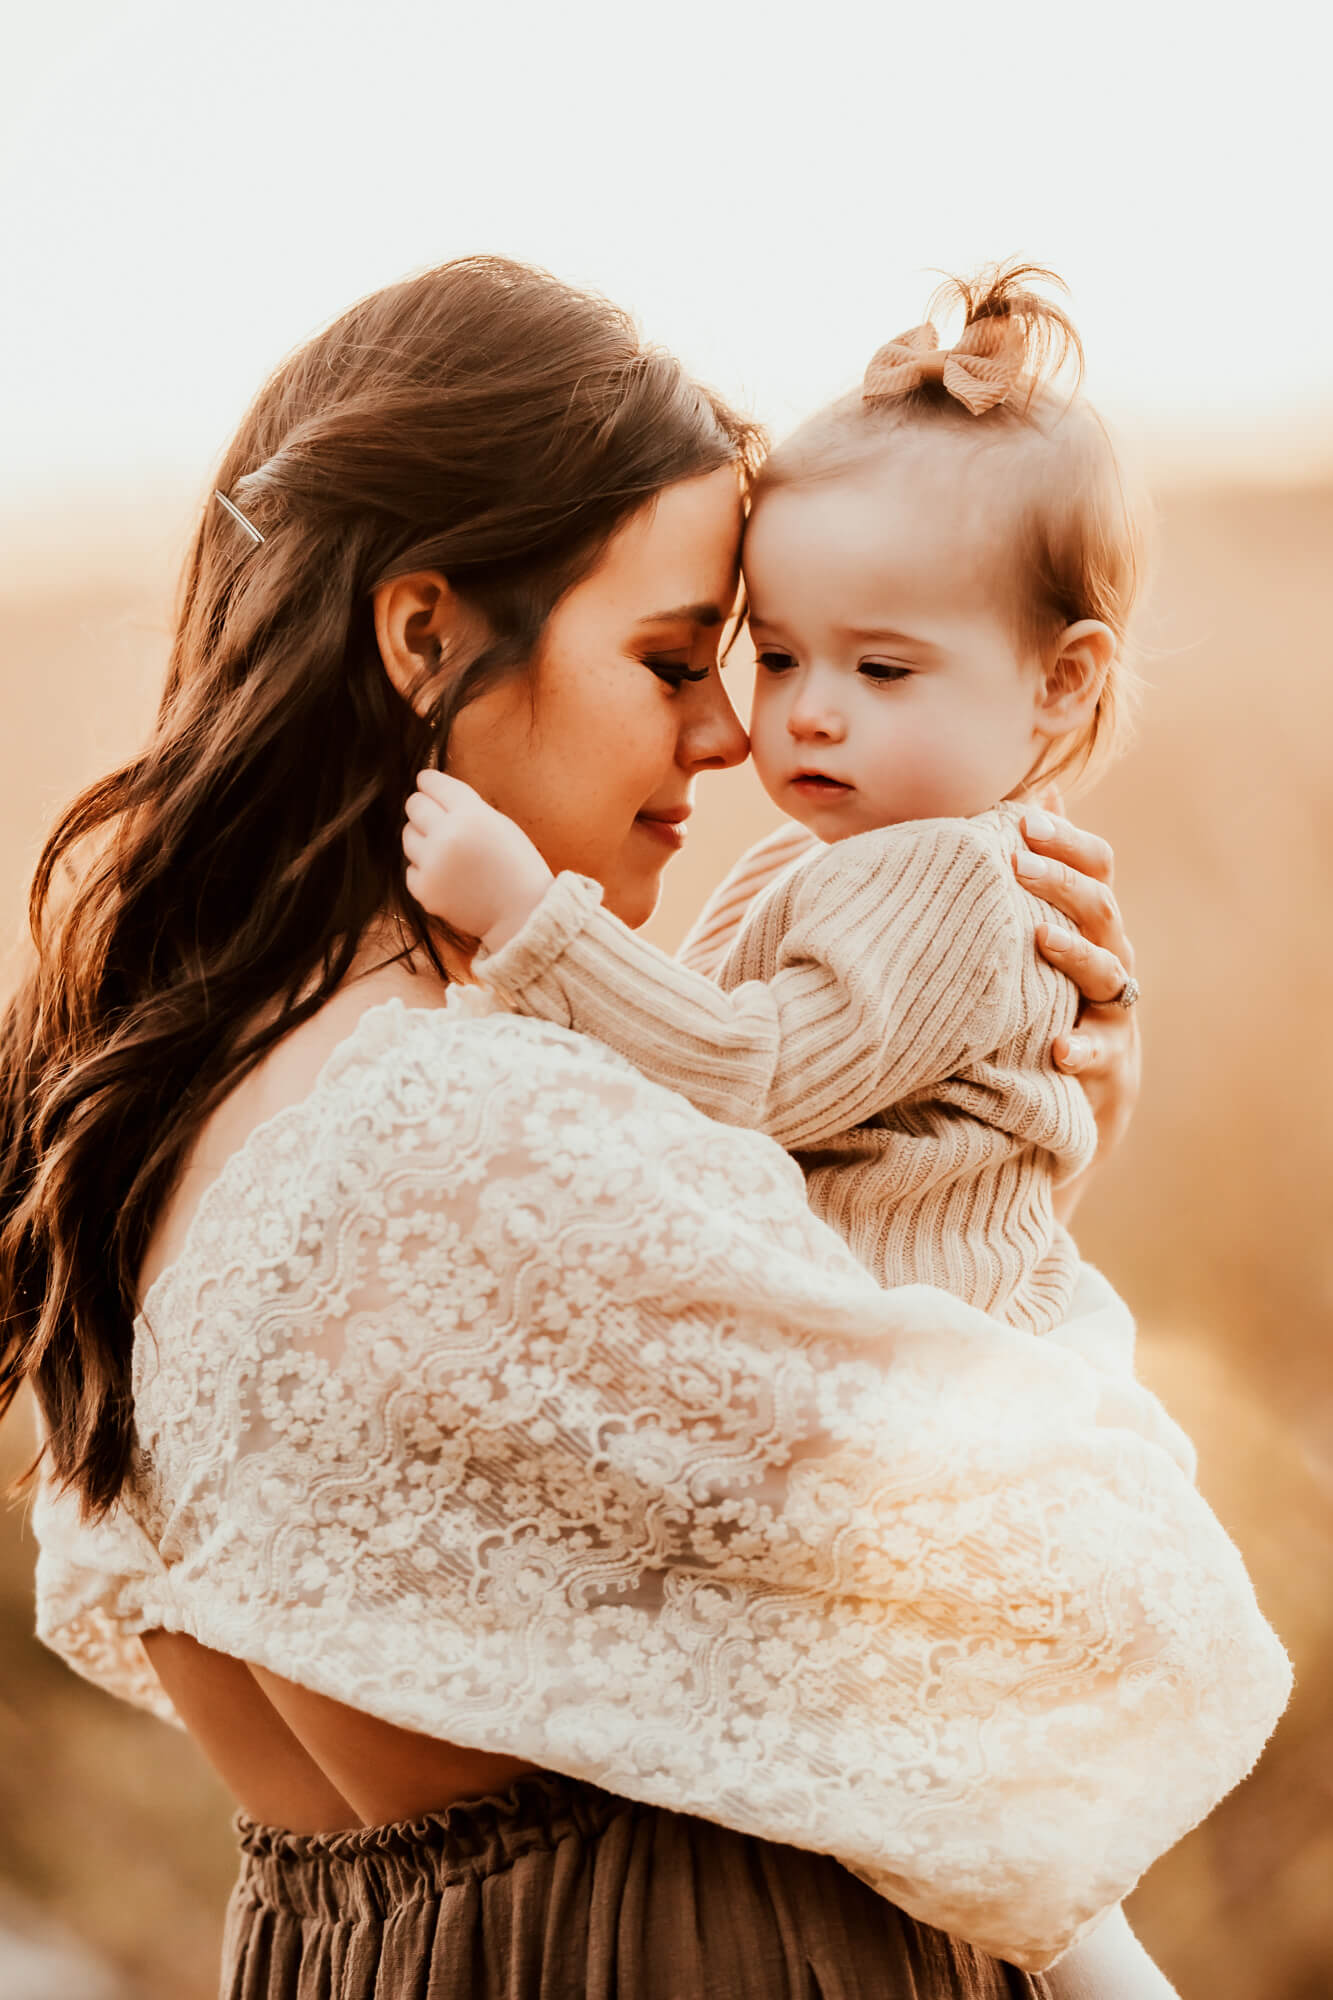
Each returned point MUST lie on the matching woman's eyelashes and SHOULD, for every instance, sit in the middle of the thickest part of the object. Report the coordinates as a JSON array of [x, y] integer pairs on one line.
[[675, 672]]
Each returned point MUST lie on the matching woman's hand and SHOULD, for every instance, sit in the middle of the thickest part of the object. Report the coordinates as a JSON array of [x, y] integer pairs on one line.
[[468, 864], [1074, 870]]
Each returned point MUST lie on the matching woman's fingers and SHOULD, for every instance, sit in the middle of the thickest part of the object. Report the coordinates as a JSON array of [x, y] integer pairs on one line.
[[1104, 1053], [1087, 853], [1077, 1054], [1099, 974], [1087, 899], [1072, 870]]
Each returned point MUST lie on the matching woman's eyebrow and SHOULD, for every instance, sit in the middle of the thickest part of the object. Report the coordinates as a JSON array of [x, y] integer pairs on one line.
[[686, 614]]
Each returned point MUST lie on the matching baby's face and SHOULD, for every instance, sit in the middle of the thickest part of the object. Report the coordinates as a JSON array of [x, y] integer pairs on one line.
[[889, 684]]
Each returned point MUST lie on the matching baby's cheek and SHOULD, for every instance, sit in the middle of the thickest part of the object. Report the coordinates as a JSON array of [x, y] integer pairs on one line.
[[765, 727]]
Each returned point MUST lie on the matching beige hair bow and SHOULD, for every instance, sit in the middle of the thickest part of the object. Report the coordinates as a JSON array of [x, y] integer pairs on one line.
[[981, 371]]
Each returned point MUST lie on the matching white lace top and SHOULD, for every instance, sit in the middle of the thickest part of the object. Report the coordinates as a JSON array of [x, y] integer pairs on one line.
[[500, 1394]]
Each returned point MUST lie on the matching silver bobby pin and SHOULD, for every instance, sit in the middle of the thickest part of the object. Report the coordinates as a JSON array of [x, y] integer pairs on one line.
[[236, 515]]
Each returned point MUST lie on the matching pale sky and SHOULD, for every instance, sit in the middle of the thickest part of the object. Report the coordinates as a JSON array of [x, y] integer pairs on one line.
[[189, 189]]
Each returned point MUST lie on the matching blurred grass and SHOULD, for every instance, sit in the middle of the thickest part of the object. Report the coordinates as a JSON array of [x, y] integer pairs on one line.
[[1213, 1219]]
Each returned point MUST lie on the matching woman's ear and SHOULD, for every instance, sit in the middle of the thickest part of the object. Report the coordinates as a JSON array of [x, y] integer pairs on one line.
[[1072, 683], [417, 619]]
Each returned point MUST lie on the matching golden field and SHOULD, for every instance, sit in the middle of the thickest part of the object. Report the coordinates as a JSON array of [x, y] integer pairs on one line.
[[1213, 1219]]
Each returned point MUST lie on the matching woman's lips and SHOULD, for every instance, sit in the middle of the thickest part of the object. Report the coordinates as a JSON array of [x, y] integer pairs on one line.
[[668, 827]]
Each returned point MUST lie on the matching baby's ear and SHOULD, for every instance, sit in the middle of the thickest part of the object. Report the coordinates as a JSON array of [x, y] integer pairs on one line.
[[1074, 677]]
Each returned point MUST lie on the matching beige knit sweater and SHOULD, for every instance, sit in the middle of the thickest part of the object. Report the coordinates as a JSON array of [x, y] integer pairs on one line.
[[882, 1011]]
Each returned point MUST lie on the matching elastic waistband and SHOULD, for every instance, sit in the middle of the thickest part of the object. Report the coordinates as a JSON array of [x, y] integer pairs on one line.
[[369, 1870]]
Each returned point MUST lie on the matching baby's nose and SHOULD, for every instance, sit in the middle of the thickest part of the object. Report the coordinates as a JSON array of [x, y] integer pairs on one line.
[[809, 718]]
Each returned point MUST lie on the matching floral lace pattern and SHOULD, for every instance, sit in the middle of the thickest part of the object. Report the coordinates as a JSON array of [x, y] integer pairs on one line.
[[501, 1394]]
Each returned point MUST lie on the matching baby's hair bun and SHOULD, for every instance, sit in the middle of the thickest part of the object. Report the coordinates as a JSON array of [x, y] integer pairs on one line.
[[1013, 341]]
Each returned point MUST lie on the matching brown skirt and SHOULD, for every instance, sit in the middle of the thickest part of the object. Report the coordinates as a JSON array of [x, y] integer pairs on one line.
[[554, 1890]]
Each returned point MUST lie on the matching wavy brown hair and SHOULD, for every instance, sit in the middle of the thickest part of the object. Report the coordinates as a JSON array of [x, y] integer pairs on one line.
[[190, 909]]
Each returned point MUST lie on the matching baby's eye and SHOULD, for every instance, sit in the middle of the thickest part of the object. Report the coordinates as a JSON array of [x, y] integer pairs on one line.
[[883, 670], [775, 663], [675, 672]]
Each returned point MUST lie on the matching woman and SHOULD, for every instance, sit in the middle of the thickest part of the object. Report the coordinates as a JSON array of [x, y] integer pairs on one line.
[[437, 1406]]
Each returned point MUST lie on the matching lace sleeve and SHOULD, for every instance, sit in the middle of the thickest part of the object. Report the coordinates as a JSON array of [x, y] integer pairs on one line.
[[91, 1599], [503, 1396]]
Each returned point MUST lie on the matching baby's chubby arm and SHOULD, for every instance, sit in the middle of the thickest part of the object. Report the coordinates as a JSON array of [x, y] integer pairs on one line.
[[898, 961], [1109, 1964]]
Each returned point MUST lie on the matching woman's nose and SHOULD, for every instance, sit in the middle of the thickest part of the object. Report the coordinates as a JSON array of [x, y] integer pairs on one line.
[[712, 737]]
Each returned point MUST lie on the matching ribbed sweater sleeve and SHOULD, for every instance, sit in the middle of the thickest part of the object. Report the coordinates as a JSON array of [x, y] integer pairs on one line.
[[896, 965]]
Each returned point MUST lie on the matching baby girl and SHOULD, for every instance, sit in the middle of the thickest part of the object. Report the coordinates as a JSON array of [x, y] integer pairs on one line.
[[940, 570]]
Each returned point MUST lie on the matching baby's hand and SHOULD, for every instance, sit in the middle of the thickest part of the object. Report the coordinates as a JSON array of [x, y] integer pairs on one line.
[[469, 864]]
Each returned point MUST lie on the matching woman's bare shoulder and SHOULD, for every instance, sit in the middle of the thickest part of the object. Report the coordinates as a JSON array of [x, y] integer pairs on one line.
[[286, 1076], [291, 1069]]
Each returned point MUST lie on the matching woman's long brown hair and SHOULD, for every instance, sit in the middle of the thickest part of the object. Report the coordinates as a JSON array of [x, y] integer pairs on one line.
[[194, 906]]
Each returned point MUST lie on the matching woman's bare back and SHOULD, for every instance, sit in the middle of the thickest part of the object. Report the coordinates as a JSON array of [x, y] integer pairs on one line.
[[288, 1756], [296, 1759]]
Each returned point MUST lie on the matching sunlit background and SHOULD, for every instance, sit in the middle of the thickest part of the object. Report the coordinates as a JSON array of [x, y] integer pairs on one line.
[[188, 191]]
